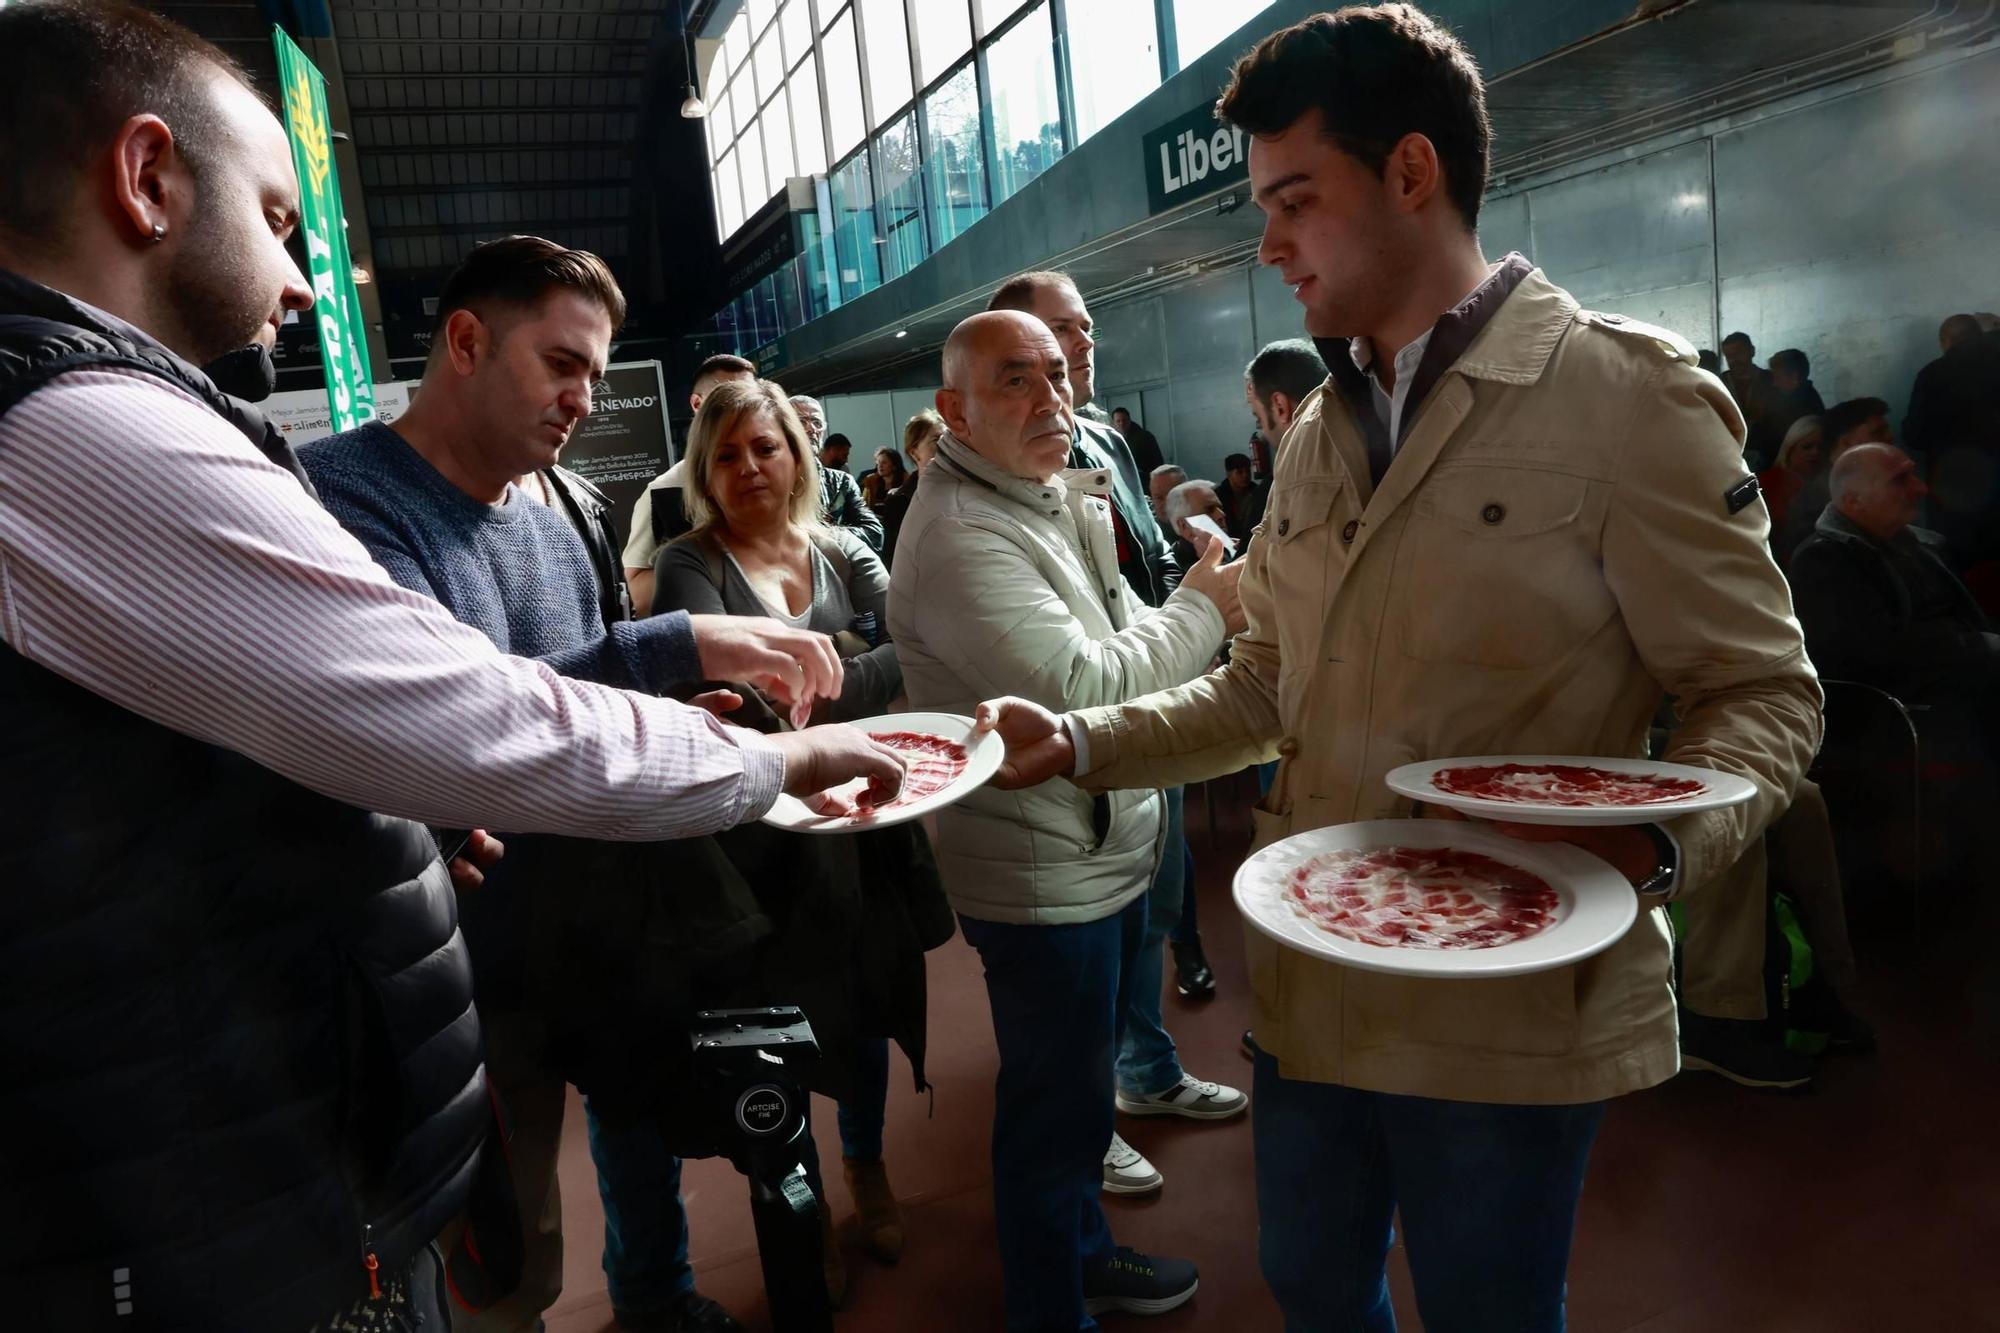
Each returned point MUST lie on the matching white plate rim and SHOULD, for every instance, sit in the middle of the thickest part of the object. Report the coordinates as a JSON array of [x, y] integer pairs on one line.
[[982, 761], [1602, 905], [1724, 790]]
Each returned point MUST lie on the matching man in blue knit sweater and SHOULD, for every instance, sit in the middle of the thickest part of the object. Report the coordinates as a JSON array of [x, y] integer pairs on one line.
[[524, 331]]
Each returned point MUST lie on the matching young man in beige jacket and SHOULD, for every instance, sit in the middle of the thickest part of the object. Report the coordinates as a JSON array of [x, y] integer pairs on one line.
[[1503, 524]]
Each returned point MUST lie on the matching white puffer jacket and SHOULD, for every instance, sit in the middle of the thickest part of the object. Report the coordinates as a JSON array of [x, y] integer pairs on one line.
[[1006, 586]]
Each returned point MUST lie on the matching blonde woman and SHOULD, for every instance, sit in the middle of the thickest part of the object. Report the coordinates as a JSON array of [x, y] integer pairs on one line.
[[760, 548]]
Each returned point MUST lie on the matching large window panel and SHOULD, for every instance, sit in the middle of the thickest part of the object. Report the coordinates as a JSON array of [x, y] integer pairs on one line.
[[779, 163], [844, 121], [807, 131], [1200, 24], [728, 195], [888, 43], [899, 198], [743, 97], [1027, 112], [759, 13], [750, 159], [1114, 59], [943, 36], [991, 14], [735, 45], [856, 255], [770, 63], [795, 24], [955, 155]]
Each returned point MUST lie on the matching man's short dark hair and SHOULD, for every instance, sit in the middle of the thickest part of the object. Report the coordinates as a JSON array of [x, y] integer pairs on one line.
[[723, 363], [1841, 418], [1290, 366], [518, 272], [71, 73], [1018, 292], [1126, 410], [1958, 329], [1235, 461], [1375, 74], [1793, 362], [1740, 337]]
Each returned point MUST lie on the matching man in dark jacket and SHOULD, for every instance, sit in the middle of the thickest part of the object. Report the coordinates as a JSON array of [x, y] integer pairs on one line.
[[1792, 396], [841, 504], [1878, 604], [1145, 445], [1954, 427], [1843, 426]]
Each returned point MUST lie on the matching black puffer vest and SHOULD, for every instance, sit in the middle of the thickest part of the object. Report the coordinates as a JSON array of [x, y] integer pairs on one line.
[[238, 1052]]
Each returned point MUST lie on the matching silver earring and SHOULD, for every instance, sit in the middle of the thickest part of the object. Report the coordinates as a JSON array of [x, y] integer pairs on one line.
[[159, 232]]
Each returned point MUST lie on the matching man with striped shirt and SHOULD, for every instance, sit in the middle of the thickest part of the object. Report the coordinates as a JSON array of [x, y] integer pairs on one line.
[[236, 1004]]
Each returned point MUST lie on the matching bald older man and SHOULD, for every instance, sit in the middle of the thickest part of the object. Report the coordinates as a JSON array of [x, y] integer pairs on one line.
[[1007, 582], [1878, 602]]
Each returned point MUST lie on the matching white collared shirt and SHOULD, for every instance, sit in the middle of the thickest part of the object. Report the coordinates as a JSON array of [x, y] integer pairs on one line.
[[1389, 405]]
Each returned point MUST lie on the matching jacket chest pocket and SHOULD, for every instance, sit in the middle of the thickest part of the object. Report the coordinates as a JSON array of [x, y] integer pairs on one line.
[[1304, 536], [1499, 567]]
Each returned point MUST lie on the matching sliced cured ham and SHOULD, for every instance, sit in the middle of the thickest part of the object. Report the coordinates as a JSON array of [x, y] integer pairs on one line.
[[1421, 898], [1563, 785]]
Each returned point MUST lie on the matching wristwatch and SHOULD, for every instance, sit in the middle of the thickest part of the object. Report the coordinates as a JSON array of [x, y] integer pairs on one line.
[[1666, 861]]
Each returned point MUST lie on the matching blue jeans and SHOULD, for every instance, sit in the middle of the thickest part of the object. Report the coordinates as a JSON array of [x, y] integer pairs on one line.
[[861, 1119], [1188, 929], [1147, 1062], [1487, 1194], [1058, 994], [645, 1225]]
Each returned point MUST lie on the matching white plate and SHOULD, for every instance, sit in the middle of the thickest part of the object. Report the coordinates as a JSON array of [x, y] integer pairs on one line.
[[1723, 790], [1597, 904], [982, 761]]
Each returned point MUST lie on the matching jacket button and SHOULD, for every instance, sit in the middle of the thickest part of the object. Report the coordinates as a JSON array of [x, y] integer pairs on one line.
[[1288, 747], [1284, 526], [1493, 513], [1111, 593], [1347, 533]]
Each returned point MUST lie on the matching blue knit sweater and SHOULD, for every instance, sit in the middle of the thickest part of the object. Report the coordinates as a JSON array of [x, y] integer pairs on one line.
[[516, 571]]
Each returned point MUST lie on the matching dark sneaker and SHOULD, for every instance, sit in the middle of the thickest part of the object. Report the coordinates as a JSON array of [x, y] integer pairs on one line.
[[695, 1313], [1741, 1051], [1249, 1046], [1139, 1284], [1191, 970]]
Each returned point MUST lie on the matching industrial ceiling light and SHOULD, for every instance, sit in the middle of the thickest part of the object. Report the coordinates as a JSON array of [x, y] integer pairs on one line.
[[692, 107]]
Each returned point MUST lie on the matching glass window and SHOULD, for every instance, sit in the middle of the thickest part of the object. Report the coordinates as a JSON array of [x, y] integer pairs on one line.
[[888, 44], [735, 44], [728, 198], [1103, 90], [743, 97], [750, 160], [990, 14], [1027, 115], [770, 65], [943, 36], [899, 197], [843, 85], [778, 159], [796, 26], [854, 248], [807, 131], [1200, 24], [954, 156], [718, 137], [759, 13]]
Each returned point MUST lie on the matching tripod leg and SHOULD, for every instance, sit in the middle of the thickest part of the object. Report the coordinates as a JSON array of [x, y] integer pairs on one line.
[[787, 1216]]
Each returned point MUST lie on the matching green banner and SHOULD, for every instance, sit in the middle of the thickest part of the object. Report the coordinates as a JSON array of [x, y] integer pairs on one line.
[[343, 337]]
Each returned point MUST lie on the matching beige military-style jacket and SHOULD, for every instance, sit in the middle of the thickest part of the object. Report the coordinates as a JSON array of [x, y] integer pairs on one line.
[[1555, 547]]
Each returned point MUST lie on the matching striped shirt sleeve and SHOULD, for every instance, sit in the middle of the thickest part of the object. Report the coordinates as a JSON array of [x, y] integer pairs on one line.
[[151, 555]]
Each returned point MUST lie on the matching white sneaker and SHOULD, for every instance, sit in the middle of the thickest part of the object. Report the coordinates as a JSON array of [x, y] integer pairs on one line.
[[1191, 1097], [1126, 1172]]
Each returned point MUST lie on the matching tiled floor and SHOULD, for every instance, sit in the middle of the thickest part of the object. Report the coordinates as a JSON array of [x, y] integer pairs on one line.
[[1869, 1205]]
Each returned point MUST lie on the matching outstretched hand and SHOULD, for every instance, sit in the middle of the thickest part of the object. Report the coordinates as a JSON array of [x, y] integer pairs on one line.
[[1038, 745], [793, 666]]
